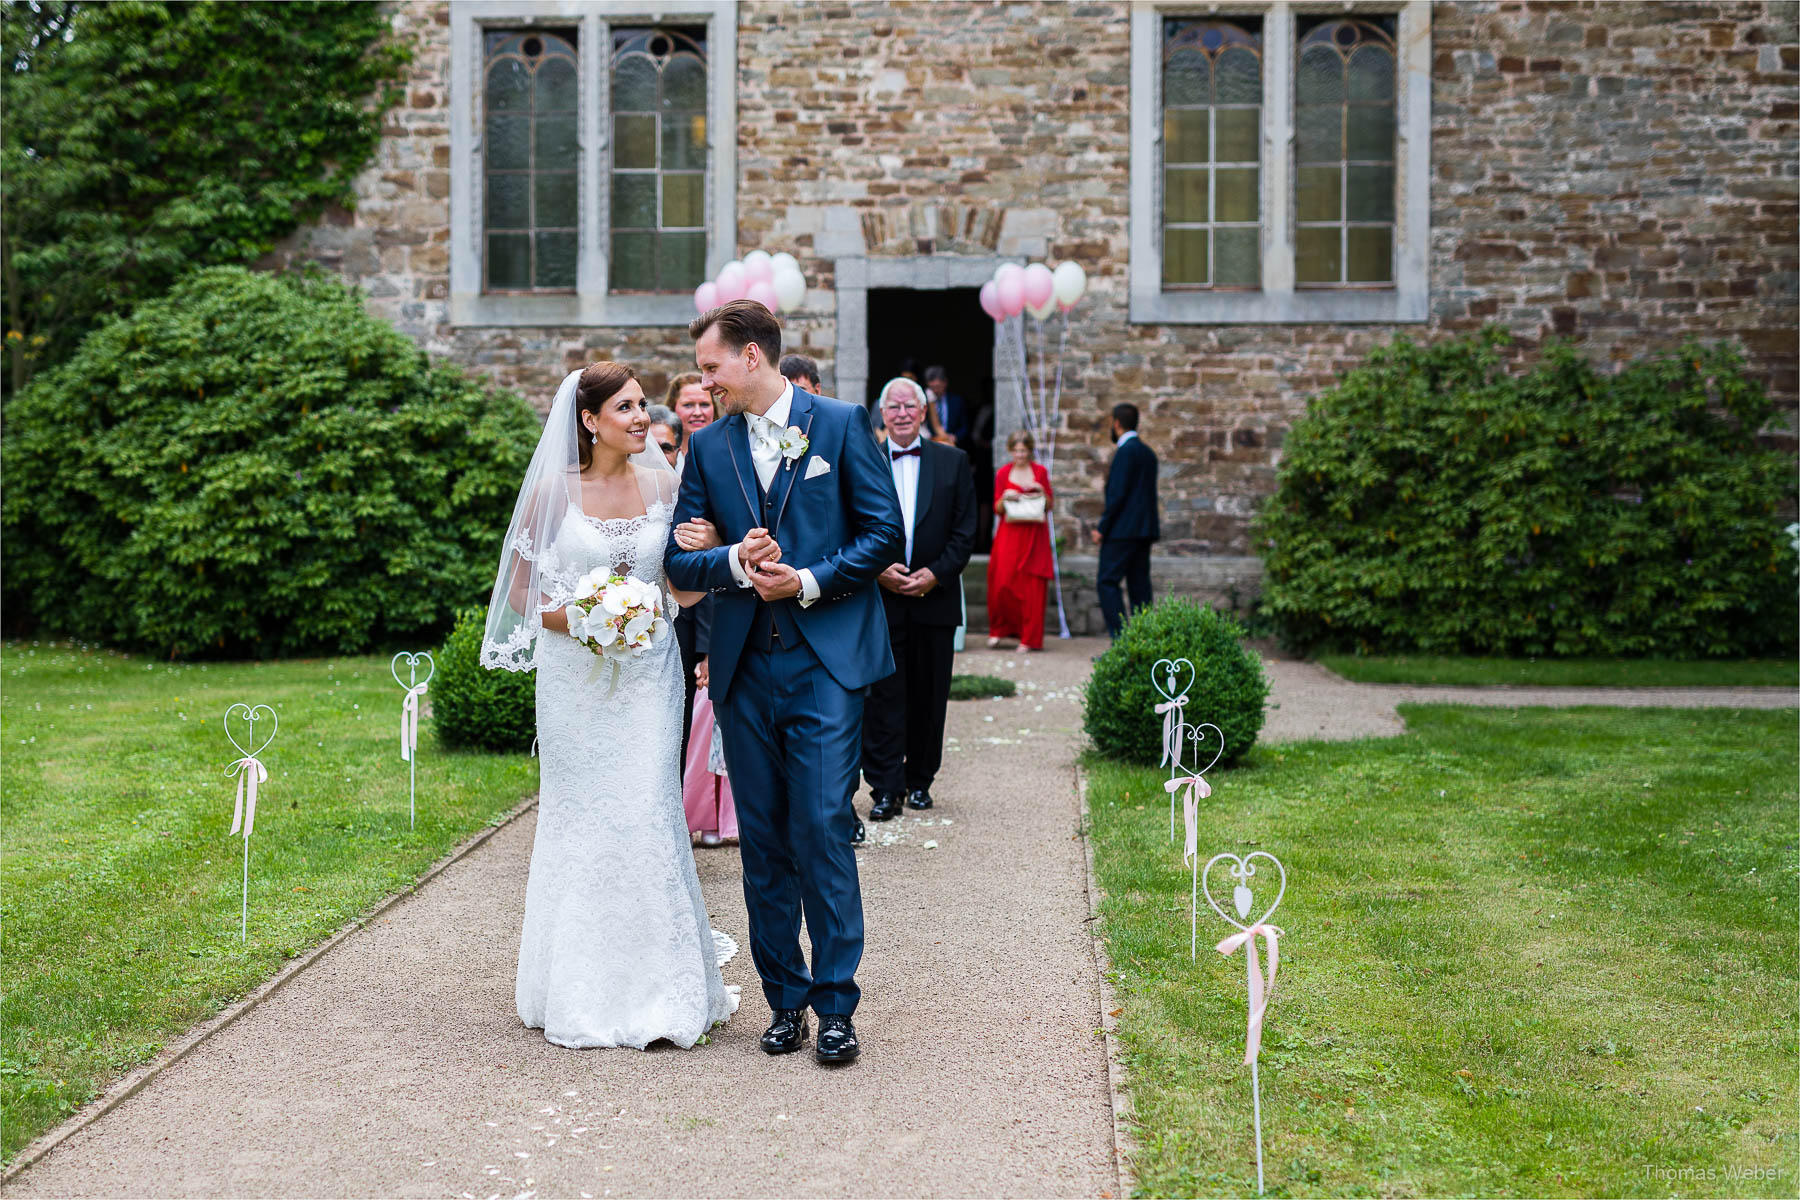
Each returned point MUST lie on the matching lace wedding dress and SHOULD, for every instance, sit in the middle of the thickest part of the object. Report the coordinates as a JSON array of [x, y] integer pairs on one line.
[[617, 949]]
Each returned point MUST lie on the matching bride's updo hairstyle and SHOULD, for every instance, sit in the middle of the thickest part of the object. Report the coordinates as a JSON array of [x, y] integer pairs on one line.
[[599, 383]]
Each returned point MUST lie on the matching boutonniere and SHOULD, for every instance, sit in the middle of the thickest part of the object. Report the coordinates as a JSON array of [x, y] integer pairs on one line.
[[793, 444]]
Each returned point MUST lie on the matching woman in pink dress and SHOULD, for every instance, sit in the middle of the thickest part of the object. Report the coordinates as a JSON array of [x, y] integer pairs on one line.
[[706, 794]]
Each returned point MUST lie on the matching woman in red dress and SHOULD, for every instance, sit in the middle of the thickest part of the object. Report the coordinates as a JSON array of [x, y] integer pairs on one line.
[[1019, 565]]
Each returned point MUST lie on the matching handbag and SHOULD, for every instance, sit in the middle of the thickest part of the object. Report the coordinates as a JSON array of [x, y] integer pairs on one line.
[[1022, 509]]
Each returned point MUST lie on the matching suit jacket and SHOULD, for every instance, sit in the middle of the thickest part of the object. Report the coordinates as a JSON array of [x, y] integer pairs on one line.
[[944, 521], [956, 417], [842, 524], [1131, 494]]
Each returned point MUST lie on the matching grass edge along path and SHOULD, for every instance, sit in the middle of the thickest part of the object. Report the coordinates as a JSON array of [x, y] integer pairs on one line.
[[120, 884], [1440, 670], [1529, 952]]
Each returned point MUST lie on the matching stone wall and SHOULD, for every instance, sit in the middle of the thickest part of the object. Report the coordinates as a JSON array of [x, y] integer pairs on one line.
[[1620, 173]]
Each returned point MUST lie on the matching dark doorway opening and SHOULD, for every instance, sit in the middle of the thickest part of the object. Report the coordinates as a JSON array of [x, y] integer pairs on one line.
[[910, 330]]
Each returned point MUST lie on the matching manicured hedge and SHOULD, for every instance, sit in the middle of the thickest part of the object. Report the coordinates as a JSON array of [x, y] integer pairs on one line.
[[1435, 500], [253, 465]]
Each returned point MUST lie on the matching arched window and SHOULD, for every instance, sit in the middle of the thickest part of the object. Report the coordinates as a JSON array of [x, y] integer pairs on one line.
[[659, 152], [531, 164], [1344, 153], [1212, 153]]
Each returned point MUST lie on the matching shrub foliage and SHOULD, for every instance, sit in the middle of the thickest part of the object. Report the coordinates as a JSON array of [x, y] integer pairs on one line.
[[473, 707], [1436, 501], [144, 139], [254, 465], [1229, 685]]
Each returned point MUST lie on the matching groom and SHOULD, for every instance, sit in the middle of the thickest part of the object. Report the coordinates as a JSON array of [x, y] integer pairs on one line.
[[798, 490]]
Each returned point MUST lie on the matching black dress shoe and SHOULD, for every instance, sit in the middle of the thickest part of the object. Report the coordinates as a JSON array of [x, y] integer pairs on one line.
[[918, 798], [786, 1032], [860, 834], [837, 1039], [887, 806]]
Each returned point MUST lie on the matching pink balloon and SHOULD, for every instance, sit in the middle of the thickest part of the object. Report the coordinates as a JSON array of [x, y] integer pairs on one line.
[[1012, 271], [990, 301], [706, 297], [759, 270], [1038, 285], [1010, 293], [763, 292], [732, 284]]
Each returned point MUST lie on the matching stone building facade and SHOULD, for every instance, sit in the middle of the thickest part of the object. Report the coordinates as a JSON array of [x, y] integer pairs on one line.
[[1623, 174]]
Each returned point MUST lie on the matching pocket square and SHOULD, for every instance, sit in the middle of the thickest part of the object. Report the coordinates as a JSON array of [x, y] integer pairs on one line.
[[815, 468]]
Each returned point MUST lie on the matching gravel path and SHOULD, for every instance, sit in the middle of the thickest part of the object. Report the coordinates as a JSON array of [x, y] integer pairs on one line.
[[396, 1066], [1307, 701]]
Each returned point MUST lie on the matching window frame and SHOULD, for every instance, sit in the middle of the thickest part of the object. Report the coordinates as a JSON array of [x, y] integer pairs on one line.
[[592, 303], [1280, 301]]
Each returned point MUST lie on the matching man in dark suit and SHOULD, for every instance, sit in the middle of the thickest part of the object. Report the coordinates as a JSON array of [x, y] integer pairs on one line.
[[804, 500], [801, 371], [1129, 523], [952, 413], [903, 721]]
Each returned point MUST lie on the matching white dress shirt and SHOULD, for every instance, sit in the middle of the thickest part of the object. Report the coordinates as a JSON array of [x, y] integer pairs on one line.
[[765, 433], [906, 483], [1126, 436]]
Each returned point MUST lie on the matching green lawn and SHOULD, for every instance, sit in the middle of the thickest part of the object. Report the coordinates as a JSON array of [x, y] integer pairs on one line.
[[1528, 952], [119, 885], [1564, 672]]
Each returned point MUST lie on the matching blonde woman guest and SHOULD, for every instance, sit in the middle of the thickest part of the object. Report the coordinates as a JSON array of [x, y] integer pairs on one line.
[[691, 402], [1019, 565]]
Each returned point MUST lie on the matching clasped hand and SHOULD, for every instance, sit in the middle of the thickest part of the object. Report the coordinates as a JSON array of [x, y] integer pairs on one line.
[[761, 556], [898, 580]]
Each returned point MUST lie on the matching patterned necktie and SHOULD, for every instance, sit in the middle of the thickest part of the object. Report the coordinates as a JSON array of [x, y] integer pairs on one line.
[[765, 448]]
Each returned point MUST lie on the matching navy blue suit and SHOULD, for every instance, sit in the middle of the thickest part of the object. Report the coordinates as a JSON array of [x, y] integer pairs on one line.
[[788, 681], [1128, 526]]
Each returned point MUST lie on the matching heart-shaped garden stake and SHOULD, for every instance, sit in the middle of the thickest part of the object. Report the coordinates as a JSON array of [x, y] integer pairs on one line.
[[409, 721], [1243, 900], [250, 774], [1194, 786], [1172, 678]]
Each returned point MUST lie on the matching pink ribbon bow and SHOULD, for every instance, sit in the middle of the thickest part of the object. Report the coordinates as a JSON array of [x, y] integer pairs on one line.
[[250, 772], [1171, 739], [1197, 789], [1260, 990], [409, 723]]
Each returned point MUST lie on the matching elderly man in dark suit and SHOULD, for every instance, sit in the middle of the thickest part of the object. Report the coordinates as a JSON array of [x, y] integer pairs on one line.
[[903, 719], [1129, 523]]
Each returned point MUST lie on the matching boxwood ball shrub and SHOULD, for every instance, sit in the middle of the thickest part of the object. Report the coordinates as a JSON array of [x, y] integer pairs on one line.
[[1229, 685], [253, 465], [1436, 501], [473, 707]]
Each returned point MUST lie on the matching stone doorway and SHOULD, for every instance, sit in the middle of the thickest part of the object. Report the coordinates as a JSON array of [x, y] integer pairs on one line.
[[926, 309]]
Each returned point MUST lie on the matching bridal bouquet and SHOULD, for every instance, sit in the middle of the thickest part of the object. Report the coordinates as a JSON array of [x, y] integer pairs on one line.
[[616, 616]]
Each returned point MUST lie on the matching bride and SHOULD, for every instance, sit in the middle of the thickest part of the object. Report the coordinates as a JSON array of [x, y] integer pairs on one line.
[[616, 949]]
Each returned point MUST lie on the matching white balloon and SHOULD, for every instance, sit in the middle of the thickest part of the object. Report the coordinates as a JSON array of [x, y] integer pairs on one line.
[[790, 288], [756, 256], [1070, 281], [784, 262], [1043, 311]]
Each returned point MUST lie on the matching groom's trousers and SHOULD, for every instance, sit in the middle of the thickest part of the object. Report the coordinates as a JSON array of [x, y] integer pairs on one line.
[[793, 746]]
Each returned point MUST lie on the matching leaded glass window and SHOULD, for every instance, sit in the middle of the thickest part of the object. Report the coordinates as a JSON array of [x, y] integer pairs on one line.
[[531, 162], [659, 153], [1212, 153], [1344, 153]]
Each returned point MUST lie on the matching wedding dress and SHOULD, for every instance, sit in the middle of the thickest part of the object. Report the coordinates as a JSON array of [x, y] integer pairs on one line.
[[616, 948]]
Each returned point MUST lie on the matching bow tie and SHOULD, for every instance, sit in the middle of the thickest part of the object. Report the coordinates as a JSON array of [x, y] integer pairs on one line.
[[914, 451]]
